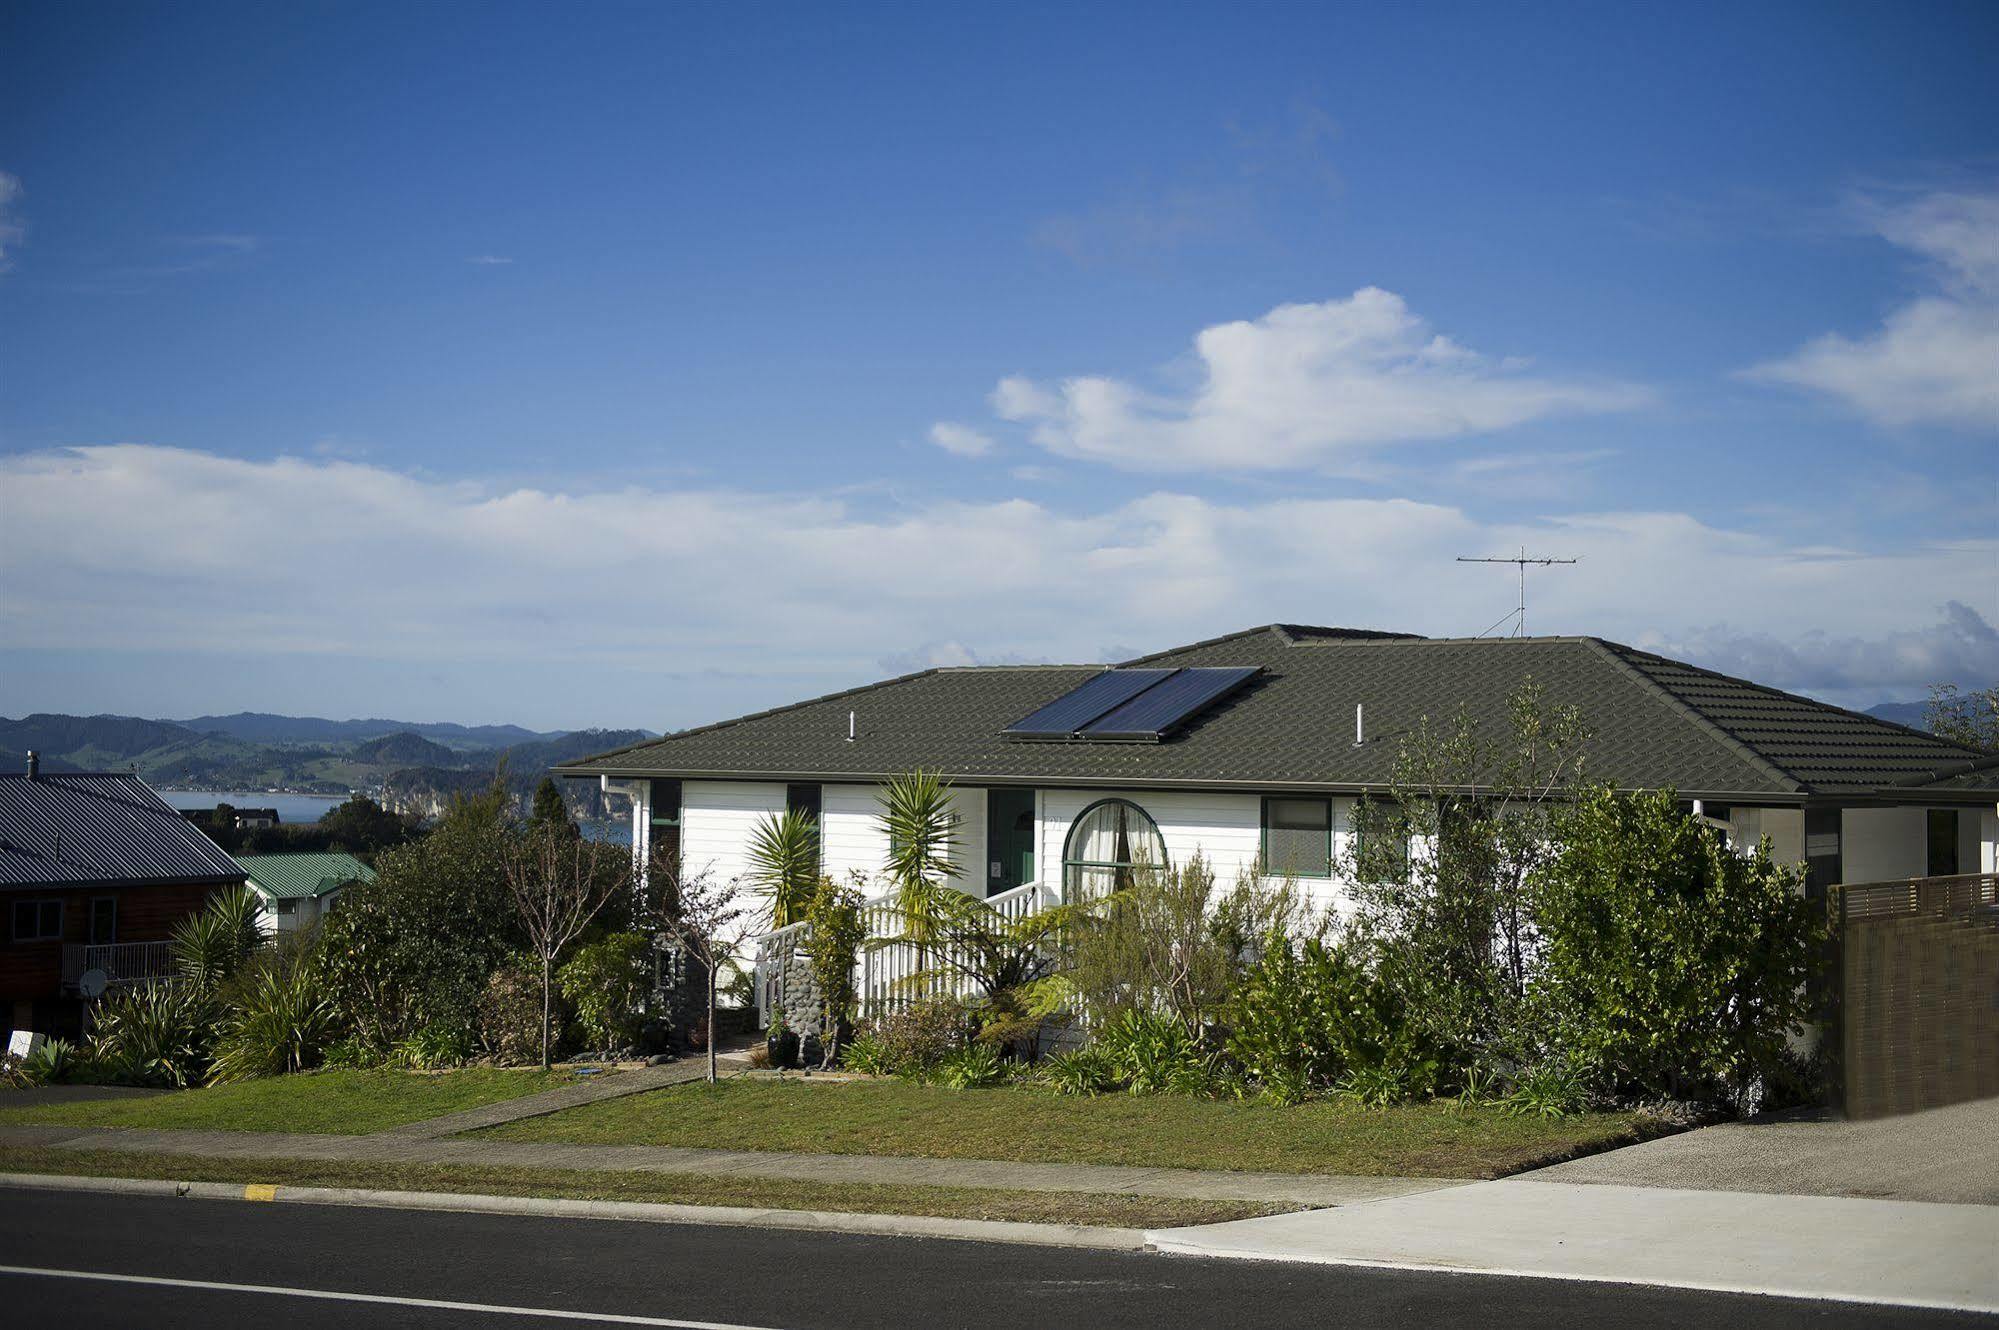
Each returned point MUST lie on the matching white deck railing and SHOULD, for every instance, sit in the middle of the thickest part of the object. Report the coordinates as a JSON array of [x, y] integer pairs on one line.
[[884, 973], [121, 962]]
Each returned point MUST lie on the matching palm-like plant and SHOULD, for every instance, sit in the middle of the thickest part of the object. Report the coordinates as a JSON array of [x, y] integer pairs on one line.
[[1008, 966], [922, 848], [784, 863], [282, 1019], [209, 947]]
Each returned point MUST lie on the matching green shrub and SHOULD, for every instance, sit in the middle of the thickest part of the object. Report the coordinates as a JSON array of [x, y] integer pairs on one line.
[[1550, 1090], [1670, 964], [414, 948], [1151, 1052], [1306, 1015], [606, 984], [350, 1052], [867, 1054], [917, 1037], [156, 1033], [1084, 1071], [970, 1068], [832, 943], [280, 1019], [53, 1062], [510, 1015], [438, 1046]]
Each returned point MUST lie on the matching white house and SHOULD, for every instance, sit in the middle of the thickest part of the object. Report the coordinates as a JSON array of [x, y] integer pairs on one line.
[[296, 890], [1253, 748]]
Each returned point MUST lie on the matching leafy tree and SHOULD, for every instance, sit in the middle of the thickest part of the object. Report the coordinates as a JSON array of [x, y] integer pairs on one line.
[[363, 827], [832, 944], [784, 862], [1669, 963], [413, 949], [1969, 718], [1441, 869], [549, 809]]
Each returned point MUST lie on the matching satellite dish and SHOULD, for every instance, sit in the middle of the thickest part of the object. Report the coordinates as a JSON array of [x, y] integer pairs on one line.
[[92, 983]]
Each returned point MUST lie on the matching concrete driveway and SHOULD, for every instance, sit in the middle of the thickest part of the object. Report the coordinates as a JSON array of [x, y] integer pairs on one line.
[[1945, 1154]]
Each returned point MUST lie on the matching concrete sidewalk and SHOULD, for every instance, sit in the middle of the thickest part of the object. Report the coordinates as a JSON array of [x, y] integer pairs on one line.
[[1906, 1253], [403, 1147]]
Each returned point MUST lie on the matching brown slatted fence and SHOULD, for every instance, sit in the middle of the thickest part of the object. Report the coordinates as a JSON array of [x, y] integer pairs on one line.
[[1919, 999]]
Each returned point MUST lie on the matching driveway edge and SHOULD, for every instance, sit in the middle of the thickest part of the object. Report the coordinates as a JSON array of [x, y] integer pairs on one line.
[[821, 1221]]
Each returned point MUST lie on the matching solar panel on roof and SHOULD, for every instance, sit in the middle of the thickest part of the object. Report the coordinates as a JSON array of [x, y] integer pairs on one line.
[[1158, 709], [1079, 706]]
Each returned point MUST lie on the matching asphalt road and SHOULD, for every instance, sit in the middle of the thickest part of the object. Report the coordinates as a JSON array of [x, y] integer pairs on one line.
[[376, 1268]]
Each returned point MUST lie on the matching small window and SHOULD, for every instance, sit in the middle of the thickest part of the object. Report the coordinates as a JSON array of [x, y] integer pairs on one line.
[[37, 921], [103, 920], [806, 799], [1943, 842], [287, 907], [1298, 837]]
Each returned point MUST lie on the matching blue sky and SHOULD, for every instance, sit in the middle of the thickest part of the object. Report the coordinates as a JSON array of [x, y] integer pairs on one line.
[[640, 364]]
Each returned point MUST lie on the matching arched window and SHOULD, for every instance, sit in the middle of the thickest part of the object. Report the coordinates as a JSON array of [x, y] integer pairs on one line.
[[1109, 842]]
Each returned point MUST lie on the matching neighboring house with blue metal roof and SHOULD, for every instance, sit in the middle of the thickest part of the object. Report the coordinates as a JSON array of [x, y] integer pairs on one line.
[[95, 872], [296, 890], [1253, 748]]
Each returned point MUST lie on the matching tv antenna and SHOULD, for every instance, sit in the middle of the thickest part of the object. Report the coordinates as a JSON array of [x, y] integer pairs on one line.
[[1521, 560]]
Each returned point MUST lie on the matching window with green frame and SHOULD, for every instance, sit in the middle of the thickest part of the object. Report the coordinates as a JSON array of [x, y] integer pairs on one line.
[[1109, 843], [1297, 836]]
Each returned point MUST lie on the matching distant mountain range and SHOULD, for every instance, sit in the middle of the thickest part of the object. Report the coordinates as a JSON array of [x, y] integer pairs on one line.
[[414, 766], [259, 727], [1911, 714]]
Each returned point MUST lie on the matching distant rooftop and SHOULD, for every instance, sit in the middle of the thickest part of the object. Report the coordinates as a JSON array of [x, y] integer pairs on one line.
[[99, 829]]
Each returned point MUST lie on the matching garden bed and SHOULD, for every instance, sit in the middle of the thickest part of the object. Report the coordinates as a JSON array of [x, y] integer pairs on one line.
[[345, 1103], [891, 1117]]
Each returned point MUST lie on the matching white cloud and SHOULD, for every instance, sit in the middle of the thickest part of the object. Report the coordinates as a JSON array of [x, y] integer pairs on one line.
[[12, 229], [135, 548], [960, 439], [1302, 386], [1935, 359], [488, 260], [1960, 647]]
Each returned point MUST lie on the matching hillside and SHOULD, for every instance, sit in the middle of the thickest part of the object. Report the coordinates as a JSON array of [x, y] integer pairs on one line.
[[260, 727], [404, 749], [400, 761]]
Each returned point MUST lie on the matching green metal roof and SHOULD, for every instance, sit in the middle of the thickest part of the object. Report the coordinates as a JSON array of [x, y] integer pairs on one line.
[[303, 876], [1655, 723]]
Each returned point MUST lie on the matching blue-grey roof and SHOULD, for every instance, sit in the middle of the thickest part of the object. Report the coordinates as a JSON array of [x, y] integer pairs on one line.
[[99, 829]]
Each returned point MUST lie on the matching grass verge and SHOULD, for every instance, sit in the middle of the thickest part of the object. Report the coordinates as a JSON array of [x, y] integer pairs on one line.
[[1104, 1210], [897, 1118], [343, 1103]]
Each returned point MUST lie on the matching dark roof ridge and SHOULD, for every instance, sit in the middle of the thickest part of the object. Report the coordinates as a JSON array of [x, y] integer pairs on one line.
[[1612, 651], [1970, 754], [1272, 628], [1985, 763]]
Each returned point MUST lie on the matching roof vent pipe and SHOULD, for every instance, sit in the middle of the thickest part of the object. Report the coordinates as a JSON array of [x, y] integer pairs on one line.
[[850, 727], [1359, 733], [34, 765]]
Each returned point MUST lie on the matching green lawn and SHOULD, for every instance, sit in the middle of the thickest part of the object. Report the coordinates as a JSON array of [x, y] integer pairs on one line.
[[347, 1103], [1118, 1211], [897, 1118]]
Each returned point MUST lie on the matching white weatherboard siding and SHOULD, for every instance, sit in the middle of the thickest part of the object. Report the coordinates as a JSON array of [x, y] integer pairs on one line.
[[851, 834], [1988, 838], [717, 819], [1784, 826]]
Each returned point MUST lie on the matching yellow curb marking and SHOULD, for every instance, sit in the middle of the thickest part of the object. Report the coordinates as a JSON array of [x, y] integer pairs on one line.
[[260, 1191]]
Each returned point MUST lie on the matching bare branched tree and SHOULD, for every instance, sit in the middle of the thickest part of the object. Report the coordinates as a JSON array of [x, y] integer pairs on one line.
[[710, 921], [559, 883]]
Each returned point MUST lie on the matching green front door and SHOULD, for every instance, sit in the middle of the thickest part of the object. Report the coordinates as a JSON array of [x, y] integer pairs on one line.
[[1009, 839]]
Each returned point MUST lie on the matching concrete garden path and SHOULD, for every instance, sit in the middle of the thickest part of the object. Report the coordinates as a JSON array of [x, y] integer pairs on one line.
[[587, 1090]]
